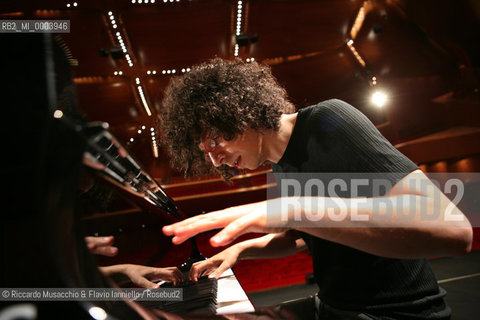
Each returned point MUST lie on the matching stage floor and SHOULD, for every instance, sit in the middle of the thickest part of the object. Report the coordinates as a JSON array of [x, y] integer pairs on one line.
[[460, 276]]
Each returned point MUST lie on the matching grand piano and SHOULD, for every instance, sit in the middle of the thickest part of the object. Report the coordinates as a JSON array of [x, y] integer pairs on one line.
[[123, 173], [43, 232]]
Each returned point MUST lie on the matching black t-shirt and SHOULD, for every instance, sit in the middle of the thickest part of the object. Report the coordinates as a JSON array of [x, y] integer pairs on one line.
[[334, 137]]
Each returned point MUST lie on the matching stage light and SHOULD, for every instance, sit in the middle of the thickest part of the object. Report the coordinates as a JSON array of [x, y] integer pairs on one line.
[[379, 98]]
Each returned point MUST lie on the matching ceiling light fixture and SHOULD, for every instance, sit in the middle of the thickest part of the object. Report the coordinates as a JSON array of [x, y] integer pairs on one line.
[[239, 26], [144, 101], [360, 18], [120, 40], [239, 17], [379, 98], [154, 148], [154, 144], [355, 53]]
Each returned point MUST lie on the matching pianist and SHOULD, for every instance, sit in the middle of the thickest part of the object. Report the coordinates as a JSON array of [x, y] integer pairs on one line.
[[225, 115]]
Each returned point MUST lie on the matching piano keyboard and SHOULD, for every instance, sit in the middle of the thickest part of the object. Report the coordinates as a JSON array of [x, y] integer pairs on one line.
[[198, 298]]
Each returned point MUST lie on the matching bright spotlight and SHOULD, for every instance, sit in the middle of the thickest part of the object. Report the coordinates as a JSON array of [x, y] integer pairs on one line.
[[379, 99]]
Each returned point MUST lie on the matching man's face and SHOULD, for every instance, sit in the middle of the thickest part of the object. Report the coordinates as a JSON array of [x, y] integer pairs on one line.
[[244, 151]]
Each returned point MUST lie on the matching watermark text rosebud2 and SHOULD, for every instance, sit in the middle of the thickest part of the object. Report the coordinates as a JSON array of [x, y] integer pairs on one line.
[[372, 200]]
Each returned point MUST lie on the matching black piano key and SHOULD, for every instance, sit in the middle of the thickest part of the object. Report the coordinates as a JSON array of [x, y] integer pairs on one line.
[[198, 298]]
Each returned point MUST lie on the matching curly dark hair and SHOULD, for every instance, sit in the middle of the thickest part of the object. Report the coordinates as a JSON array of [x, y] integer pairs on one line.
[[222, 96]]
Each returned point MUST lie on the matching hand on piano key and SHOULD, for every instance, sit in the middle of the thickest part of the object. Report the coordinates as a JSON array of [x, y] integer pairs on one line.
[[208, 295], [235, 221], [145, 277], [215, 266], [197, 297]]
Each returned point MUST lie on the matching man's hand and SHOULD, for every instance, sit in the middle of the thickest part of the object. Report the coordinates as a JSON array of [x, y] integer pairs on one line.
[[215, 265], [235, 221], [143, 276], [101, 245], [146, 277]]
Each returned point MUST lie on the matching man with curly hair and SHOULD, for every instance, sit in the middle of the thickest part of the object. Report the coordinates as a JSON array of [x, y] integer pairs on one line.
[[230, 114], [227, 98]]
